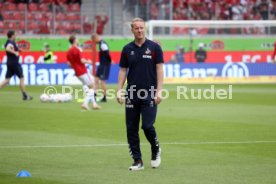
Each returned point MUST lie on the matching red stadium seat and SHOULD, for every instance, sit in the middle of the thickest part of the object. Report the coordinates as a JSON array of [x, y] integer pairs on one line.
[[202, 31], [10, 25], [43, 29], [176, 30], [21, 25], [11, 7], [77, 26], [68, 26], [30, 16], [6, 25], [185, 31], [74, 7], [77, 17], [1, 25], [60, 16], [61, 32], [44, 18], [58, 25], [62, 1], [43, 22], [21, 7], [72, 17], [6, 15], [233, 30], [38, 16], [18, 16], [48, 16], [32, 26], [19, 32], [33, 7], [66, 7], [44, 7]]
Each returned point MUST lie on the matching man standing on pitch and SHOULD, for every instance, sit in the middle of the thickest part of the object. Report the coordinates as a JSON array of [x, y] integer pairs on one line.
[[13, 65], [103, 70], [49, 56], [142, 64]]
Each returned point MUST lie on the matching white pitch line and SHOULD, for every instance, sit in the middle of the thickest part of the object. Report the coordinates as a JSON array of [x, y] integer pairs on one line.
[[220, 142], [123, 144], [65, 146]]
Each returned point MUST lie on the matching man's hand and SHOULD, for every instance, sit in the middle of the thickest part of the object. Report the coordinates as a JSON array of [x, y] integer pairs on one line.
[[160, 76], [86, 61], [10, 49], [121, 81], [119, 97], [16, 53], [157, 97]]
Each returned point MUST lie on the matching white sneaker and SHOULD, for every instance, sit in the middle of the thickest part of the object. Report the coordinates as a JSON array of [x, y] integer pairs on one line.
[[156, 159], [85, 107], [136, 166]]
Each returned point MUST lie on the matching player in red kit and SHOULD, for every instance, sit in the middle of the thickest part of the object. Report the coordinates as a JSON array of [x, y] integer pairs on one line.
[[75, 61]]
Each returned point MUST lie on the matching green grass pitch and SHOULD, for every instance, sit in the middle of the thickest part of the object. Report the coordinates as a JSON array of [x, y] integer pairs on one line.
[[216, 141]]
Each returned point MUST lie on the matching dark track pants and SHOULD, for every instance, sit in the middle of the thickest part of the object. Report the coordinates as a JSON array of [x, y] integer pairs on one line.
[[134, 109]]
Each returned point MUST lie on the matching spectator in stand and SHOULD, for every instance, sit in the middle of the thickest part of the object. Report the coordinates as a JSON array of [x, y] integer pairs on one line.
[[87, 27], [43, 28], [273, 10], [59, 6], [264, 9], [222, 10], [225, 11], [179, 56], [154, 10], [101, 22], [200, 53]]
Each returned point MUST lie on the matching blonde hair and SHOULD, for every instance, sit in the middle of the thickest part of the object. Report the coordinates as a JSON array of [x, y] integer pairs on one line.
[[94, 35], [137, 19]]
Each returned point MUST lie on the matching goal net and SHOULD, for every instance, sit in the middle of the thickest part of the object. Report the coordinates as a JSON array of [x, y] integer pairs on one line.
[[225, 36], [233, 48]]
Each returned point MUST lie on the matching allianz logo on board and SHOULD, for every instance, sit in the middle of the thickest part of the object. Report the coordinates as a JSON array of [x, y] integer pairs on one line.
[[42, 76], [235, 70], [228, 70]]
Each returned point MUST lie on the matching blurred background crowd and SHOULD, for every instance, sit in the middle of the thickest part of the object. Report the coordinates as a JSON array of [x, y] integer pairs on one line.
[[85, 16]]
